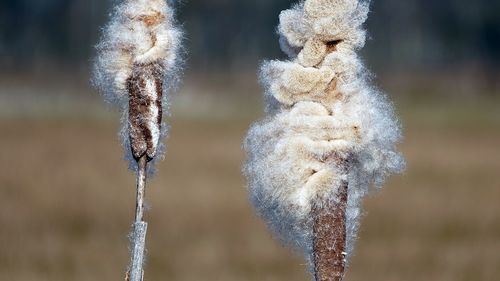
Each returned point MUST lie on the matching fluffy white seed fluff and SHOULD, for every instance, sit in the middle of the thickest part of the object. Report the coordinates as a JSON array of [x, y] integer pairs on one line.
[[320, 106], [141, 36]]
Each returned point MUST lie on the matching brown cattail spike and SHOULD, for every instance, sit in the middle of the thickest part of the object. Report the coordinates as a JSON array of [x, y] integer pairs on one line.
[[328, 138], [145, 111], [137, 55], [329, 237], [330, 228]]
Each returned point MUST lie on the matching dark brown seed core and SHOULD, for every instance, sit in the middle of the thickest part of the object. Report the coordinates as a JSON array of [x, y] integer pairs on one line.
[[140, 103], [329, 241], [332, 45]]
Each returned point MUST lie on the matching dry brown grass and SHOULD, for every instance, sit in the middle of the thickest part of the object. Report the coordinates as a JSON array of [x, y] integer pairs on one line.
[[66, 204]]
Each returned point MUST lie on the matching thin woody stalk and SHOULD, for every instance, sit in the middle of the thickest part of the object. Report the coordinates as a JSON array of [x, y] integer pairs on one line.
[[138, 241], [141, 189], [137, 63]]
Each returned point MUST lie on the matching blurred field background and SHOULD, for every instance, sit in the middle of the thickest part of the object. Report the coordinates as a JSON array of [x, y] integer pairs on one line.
[[66, 197]]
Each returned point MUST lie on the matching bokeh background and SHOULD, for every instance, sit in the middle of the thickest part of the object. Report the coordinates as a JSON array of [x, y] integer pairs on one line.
[[67, 198]]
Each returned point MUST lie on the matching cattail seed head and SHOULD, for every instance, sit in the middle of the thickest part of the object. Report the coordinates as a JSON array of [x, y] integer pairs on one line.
[[137, 64], [326, 125], [145, 111]]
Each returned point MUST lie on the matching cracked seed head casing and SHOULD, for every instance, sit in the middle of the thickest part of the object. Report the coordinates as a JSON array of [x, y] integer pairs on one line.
[[321, 108], [136, 66]]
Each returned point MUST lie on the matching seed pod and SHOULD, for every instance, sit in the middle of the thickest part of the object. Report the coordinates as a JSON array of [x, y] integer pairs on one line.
[[137, 63], [329, 135], [145, 111]]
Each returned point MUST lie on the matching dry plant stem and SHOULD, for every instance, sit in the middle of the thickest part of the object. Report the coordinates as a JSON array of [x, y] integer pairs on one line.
[[329, 242], [140, 227], [141, 188]]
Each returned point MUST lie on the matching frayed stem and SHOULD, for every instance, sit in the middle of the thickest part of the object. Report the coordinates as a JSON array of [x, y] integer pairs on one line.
[[138, 237], [141, 188], [329, 237]]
